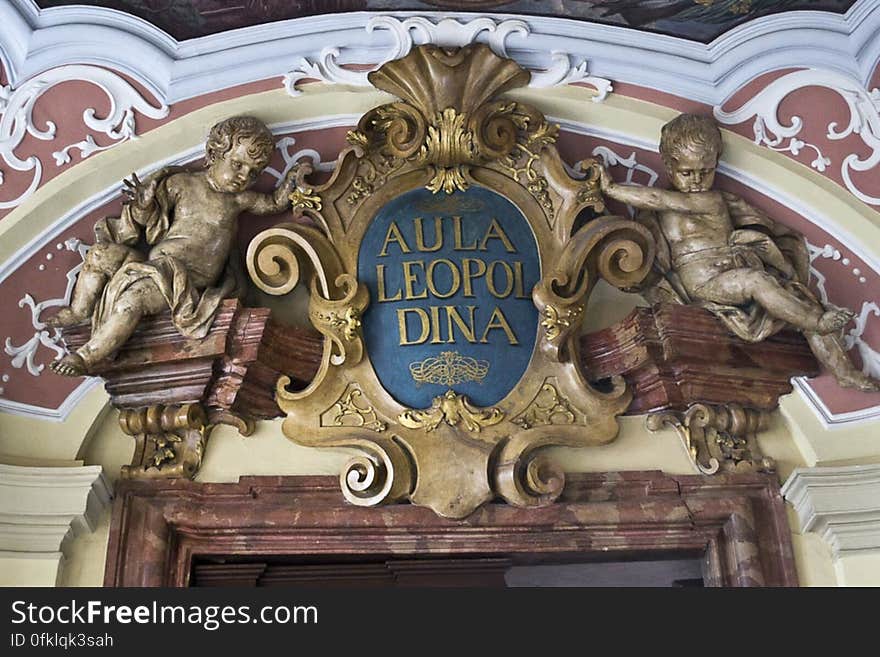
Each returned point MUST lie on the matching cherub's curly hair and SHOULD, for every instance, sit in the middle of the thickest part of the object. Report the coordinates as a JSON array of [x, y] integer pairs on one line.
[[690, 133], [227, 133]]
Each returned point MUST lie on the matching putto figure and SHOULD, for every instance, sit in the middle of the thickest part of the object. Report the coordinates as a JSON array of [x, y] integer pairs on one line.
[[190, 219], [717, 251]]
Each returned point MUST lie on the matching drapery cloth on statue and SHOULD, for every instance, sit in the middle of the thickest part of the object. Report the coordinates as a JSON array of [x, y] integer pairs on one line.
[[757, 243], [192, 310]]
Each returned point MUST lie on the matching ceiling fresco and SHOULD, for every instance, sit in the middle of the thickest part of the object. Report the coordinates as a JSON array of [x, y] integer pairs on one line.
[[698, 20]]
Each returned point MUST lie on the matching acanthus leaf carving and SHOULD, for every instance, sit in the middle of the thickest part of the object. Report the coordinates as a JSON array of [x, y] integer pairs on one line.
[[717, 438], [454, 410]]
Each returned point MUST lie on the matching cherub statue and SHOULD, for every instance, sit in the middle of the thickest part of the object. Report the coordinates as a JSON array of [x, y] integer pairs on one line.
[[717, 251], [190, 219]]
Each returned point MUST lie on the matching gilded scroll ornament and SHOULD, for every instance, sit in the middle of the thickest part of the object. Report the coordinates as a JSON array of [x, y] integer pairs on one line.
[[717, 438], [447, 146], [169, 440], [547, 408], [520, 162], [555, 320], [353, 410], [452, 409], [340, 320], [449, 369], [346, 322]]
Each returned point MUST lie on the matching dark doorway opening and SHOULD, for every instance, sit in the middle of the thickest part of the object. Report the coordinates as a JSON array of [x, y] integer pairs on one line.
[[467, 571]]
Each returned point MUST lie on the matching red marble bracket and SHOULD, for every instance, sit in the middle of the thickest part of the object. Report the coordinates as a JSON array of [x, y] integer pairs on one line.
[[673, 356], [737, 522], [231, 372]]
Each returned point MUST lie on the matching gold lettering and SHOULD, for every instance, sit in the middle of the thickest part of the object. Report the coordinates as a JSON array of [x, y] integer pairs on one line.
[[401, 324], [496, 232], [456, 278], [393, 235], [469, 275], [410, 277], [380, 277], [499, 321], [490, 279], [468, 329], [438, 235], [435, 325], [518, 277], [456, 231]]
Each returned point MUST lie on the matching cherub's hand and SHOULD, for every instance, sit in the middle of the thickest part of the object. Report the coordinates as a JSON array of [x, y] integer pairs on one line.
[[140, 193], [295, 176], [605, 180]]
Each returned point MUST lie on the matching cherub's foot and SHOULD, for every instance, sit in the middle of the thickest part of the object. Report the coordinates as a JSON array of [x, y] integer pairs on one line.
[[70, 365], [64, 317], [833, 320], [858, 380]]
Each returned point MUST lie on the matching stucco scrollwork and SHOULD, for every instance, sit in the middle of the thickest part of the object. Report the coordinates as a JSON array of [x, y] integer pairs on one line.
[[772, 131], [17, 120], [448, 33]]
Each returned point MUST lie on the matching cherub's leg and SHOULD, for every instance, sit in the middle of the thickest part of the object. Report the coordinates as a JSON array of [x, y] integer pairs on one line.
[[102, 261], [142, 298], [829, 351], [738, 286]]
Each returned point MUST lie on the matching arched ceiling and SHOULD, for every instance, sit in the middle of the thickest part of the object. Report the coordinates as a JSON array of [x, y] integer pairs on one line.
[[698, 20]]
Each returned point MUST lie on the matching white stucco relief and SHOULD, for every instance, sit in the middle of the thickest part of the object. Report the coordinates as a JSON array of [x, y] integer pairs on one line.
[[447, 32], [771, 131], [25, 355], [17, 121]]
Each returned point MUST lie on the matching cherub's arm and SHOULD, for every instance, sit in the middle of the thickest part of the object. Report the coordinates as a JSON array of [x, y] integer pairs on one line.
[[279, 200], [649, 198]]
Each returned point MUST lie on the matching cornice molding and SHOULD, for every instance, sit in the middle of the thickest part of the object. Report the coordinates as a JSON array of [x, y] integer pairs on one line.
[[34, 40], [43, 508], [841, 504]]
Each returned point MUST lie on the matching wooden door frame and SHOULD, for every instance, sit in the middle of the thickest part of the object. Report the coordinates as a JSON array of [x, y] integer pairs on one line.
[[736, 522]]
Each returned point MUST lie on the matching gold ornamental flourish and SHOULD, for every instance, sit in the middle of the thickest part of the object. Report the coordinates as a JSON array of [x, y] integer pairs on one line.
[[348, 320], [305, 198], [448, 144], [453, 409], [353, 410], [556, 321], [547, 408], [448, 369]]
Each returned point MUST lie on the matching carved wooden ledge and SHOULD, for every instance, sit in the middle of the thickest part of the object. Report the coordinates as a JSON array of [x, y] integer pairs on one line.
[[690, 373], [737, 522], [172, 390]]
